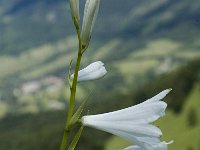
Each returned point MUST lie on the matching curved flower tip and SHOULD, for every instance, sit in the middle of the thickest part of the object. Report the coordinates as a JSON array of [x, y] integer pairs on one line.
[[160, 96], [93, 71], [132, 123], [74, 5], [89, 18]]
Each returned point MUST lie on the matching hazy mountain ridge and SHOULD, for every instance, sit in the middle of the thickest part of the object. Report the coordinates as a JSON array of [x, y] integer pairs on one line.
[[51, 21]]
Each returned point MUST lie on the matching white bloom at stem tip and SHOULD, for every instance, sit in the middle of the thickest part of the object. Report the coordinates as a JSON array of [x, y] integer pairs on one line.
[[74, 5], [133, 123], [93, 71], [89, 18]]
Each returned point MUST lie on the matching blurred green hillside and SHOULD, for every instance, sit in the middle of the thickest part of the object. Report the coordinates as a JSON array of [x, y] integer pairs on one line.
[[138, 40], [44, 130], [147, 46]]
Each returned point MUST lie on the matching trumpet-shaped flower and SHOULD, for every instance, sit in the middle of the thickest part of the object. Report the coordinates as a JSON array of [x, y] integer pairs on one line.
[[133, 123], [74, 5], [89, 18], [93, 71]]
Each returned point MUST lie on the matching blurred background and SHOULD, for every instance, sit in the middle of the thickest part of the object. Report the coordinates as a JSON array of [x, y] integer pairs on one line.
[[147, 46]]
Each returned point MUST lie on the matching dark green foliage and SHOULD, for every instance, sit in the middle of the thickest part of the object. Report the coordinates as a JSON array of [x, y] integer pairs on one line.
[[181, 81], [190, 148], [42, 131], [192, 117]]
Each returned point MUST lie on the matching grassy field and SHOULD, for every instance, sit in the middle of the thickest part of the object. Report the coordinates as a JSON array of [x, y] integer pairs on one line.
[[156, 57]]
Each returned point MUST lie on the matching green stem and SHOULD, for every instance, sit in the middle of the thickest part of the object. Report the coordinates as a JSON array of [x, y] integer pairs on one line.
[[76, 139], [74, 84], [64, 140], [72, 89]]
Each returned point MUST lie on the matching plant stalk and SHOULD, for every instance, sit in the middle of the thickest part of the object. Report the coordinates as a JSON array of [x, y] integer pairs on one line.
[[72, 89]]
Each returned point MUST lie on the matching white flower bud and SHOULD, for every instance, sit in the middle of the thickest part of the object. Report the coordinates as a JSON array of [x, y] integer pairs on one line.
[[93, 71], [133, 123], [89, 18], [74, 5]]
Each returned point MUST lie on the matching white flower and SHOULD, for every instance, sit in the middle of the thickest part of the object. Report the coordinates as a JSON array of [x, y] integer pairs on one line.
[[93, 71], [74, 5], [89, 18], [133, 123]]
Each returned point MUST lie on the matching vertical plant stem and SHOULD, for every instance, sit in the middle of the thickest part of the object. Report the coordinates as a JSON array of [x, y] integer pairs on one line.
[[74, 84], [72, 89], [64, 140]]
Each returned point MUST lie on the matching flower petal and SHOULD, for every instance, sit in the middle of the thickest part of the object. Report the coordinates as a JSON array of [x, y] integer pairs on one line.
[[142, 113], [129, 127], [133, 123], [91, 68], [159, 96], [134, 147], [93, 71]]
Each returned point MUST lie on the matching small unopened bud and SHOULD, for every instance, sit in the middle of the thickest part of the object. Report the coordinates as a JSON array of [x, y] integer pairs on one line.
[[93, 71], [90, 14], [74, 5]]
